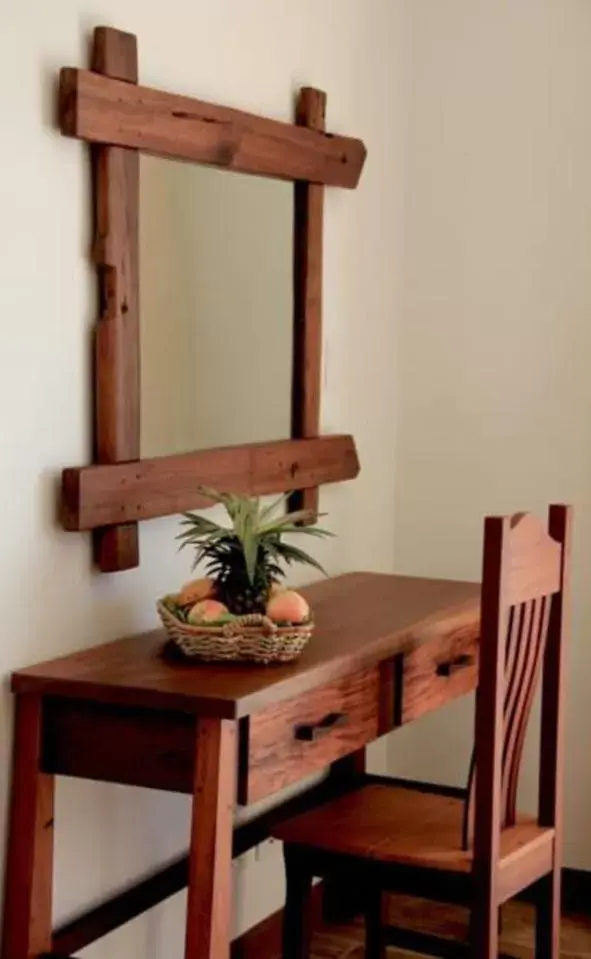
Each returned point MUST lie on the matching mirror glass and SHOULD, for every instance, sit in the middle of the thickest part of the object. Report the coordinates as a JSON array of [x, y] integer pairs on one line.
[[216, 302]]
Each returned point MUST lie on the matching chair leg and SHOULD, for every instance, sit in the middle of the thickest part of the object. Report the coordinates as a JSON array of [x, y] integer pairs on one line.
[[297, 932], [484, 929], [375, 945], [548, 916]]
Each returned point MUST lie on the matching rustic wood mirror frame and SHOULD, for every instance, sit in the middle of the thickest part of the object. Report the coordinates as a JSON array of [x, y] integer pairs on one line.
[[106, 108]]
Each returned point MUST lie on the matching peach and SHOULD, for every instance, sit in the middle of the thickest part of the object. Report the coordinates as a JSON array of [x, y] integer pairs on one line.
[[288, 607], [206, 611], [195, 591]]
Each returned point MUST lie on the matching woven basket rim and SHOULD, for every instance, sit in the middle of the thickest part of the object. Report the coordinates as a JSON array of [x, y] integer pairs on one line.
[[264, 628]]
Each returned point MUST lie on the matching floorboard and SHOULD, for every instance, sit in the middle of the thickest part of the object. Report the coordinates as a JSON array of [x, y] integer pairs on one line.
[[331, 942]]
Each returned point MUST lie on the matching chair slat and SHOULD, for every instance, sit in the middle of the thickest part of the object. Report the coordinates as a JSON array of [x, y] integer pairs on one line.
[[534, 677], [520, 662]]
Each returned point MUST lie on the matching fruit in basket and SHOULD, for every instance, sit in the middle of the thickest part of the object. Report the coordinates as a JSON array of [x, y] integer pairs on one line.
[[206, 611], [288, 606], [245, 558], [196, 590]]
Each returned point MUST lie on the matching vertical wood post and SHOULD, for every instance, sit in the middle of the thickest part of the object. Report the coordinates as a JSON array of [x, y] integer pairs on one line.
[[489, 748], [29, 859], [551, 786], [307, 338], [117, 379], [209, 901]]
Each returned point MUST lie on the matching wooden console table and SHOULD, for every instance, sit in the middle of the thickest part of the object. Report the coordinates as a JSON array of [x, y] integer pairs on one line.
[[387, 649]]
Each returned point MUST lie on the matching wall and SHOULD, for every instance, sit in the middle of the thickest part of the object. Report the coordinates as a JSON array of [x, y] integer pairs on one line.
[[456, 333], [494, 339], [251, 55]]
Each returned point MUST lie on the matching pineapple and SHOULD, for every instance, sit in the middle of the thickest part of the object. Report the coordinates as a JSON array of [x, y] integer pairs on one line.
[[245, 558]]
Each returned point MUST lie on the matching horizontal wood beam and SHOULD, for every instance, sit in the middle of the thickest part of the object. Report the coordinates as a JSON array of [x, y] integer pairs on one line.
[[99, 109], [104, 495]]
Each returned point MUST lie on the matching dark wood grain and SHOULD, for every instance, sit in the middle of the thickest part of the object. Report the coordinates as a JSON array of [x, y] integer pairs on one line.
[[307, 252], [361, 619], [402, 825], [95, 496], [29, 861], [209, 898], [277, 758], [93, 741], [117, 384], [439, 671], [107, 111]]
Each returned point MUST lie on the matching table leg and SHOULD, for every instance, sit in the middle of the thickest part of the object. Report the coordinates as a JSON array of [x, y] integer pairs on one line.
[[209, 904], [29, 859]]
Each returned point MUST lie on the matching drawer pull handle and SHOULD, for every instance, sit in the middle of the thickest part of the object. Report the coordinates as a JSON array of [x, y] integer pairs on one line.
[[454, 665], [311, 732]]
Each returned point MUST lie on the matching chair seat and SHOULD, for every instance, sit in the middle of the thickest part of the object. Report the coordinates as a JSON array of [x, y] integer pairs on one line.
[[394, 824]]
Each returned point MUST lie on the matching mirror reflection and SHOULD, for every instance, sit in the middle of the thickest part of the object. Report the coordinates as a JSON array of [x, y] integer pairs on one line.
[[216, 307]]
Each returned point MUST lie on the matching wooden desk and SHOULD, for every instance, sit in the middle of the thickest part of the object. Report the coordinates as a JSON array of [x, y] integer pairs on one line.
[[387, 649]]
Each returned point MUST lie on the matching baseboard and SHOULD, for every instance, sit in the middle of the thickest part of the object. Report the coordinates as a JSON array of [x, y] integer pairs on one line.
[[576, 891]]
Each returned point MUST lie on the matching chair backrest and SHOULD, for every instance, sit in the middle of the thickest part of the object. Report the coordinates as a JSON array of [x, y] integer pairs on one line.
[[526, 570]]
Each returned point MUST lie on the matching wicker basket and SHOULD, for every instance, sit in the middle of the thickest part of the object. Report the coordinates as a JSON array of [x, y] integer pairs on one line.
[[252, 638]]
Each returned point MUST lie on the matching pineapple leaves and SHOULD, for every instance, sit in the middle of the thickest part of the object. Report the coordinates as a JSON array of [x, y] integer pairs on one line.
[[245, 525], [293, 554], [246, 556], [273, 507], [288, 519]]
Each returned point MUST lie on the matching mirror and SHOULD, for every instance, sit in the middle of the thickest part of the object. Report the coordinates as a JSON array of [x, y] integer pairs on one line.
[[216, 304]]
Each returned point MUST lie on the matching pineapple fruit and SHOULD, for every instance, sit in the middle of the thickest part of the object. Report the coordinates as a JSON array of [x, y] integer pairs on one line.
[[243, 561]]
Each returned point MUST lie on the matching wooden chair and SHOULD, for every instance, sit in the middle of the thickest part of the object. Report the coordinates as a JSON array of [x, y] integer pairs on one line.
[[469, 846]]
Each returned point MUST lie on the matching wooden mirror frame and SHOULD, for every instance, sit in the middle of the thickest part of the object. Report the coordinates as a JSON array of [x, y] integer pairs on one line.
[[105, 107]]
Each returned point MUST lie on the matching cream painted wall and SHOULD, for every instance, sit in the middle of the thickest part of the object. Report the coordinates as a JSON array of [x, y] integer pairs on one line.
[[251, 54], [457, 340], [494, 336]]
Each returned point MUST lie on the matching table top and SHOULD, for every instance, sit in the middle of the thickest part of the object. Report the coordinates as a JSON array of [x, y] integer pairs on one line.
[[361, 619]]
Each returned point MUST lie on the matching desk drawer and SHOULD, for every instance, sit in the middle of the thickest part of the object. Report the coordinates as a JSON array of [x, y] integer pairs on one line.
[[292, 739], [439, 670]]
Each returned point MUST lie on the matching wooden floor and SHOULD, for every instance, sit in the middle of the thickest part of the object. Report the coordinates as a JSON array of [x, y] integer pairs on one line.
[[449, 921]]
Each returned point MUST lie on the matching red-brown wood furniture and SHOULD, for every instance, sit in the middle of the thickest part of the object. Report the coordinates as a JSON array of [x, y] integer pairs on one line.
[[411, 837], [387, 649], [106, 108]]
